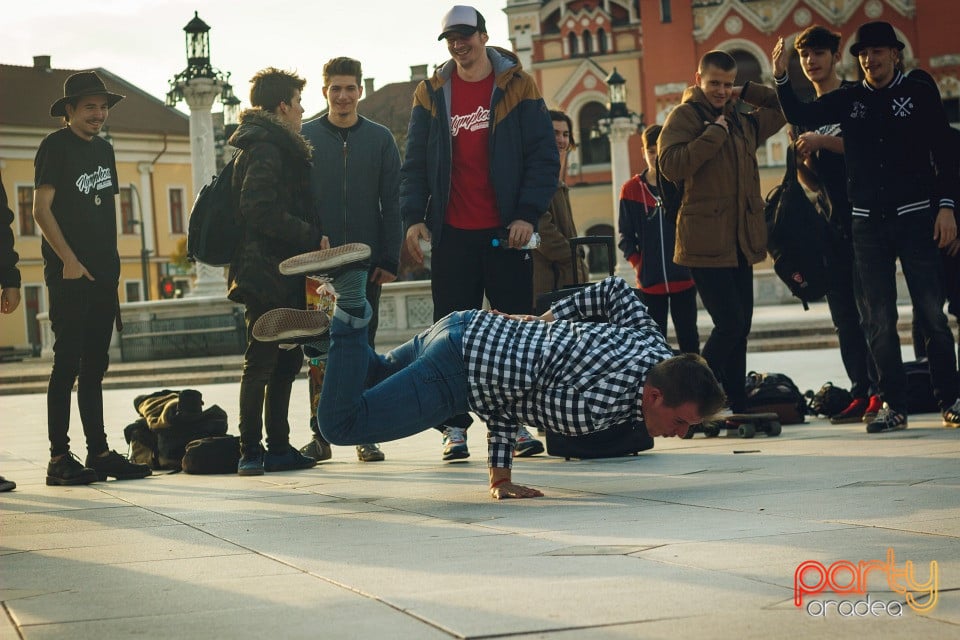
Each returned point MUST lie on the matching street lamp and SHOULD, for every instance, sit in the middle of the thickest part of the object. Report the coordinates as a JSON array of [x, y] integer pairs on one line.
[[200, 84], [619, 124], [144, 252]]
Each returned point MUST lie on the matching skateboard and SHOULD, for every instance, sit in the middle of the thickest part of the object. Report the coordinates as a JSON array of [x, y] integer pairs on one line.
[[747, 425]]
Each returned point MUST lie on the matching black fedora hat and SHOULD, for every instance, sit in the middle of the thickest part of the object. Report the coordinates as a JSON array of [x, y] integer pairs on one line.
[[875, 34], [84, 83]]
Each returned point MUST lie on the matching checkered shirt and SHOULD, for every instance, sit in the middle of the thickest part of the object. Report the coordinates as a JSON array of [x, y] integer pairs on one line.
[[569, 376]]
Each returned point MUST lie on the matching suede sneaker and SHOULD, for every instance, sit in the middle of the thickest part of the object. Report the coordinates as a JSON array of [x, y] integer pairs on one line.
[[873, 408], [287, 460], [115, 465], [318, 449], [887, 420], [282, 325], [251, 463], [951, 415], [526, 445], [69, 470], [853, 413], [325, 260], [455, 444], [7, 485], [370, 453]]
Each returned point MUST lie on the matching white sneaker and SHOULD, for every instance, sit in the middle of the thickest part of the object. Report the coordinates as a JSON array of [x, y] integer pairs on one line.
[[455, 444]]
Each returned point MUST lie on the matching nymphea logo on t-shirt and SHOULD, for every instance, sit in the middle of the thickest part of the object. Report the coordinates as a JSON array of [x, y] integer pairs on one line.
[[99, 179], [479, 119]]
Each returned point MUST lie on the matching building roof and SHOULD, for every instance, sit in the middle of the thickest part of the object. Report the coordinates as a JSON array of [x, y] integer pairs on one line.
[[36, 88]]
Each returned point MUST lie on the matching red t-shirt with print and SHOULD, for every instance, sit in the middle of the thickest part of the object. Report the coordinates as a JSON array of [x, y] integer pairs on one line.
[[473, 204]]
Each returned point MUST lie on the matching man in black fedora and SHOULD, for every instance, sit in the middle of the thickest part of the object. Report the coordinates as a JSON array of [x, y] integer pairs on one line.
[[75, 182], [902, 207]]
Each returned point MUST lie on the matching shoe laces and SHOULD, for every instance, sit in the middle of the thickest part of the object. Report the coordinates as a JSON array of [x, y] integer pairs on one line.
[[454, 435], [523, 435]]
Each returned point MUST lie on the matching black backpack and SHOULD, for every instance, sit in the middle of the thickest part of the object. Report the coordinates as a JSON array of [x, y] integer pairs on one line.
[[775, 393], [828, 401], [215, 454], [797, 237], [214, 232], [920, 398]]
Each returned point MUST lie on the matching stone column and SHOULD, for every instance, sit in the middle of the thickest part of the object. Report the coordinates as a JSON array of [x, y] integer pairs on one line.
[[200, 94], [620, 131]]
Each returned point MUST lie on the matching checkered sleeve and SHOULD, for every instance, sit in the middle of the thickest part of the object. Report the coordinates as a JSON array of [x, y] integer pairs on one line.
[[501, 437]]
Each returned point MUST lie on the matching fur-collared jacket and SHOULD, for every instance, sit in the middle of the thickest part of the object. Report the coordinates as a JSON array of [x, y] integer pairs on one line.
[[271, 190]]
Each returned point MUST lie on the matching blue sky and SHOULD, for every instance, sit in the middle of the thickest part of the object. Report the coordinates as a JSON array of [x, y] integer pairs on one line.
[[143, 41]]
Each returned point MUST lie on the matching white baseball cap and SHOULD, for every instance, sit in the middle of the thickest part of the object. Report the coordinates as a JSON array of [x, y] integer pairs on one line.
[[463, 20]]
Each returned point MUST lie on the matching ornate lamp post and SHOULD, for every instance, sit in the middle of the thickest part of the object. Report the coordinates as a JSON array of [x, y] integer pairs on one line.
[[200, 85], [618, 126]]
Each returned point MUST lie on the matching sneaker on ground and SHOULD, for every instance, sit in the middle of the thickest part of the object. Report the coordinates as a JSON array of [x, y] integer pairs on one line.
[[526, 445], [455, 444], [887, 420], [370, 453], [251, 463], [115, 465], [317, 449], [279, 325], [873, 408], [69, 470], [325, 260], [951, 415], [7, 485], [853, 413], [288, 460]]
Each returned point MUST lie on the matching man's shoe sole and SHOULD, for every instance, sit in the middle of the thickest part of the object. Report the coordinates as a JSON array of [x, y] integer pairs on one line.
[[250, 472], [86, 478], [884, 429], [846, 420], [325, 260], [285, 324], [535, 447], [456, 454]]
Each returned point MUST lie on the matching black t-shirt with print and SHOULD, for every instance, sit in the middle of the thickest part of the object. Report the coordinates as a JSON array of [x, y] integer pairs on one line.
[[84, 175]]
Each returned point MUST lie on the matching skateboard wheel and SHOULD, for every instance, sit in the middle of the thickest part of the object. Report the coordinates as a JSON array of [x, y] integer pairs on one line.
[[747, 431], [774, 429], [711, 432], [689, 433]]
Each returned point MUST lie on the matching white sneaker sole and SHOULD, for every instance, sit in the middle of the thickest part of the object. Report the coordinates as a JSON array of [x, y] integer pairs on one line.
[[325, 260], [285, 324]]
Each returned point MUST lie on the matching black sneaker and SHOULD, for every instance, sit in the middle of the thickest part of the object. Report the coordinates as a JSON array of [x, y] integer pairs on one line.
[[7, 485], [287, 460], [69, 470], [887, 420], [317, 449], [116, 465], [370, 452]]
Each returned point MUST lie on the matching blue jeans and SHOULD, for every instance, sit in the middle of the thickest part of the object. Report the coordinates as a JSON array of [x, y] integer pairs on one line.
[[369, 397], [877, 243]]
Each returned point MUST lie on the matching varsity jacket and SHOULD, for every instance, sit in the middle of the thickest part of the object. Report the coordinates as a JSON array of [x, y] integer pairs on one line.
[[524, 161], [890, 136]]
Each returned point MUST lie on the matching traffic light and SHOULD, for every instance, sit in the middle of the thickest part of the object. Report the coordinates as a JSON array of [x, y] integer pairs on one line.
[[168, 289]]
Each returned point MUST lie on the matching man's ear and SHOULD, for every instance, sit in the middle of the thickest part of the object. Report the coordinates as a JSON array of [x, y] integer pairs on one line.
[[484, 37], [696, 78]]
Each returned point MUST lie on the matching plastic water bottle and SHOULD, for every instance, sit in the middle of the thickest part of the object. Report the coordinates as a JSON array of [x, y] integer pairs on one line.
[[502, 241]]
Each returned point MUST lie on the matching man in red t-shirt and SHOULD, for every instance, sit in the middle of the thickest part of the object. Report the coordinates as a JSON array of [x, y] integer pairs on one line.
[[480, 161]]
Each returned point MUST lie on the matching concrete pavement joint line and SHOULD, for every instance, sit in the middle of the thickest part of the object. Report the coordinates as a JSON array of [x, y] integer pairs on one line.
[[883, 528], [13, 623], [608, 625]]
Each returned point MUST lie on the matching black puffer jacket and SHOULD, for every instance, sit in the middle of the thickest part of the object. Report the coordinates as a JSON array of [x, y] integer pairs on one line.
[[271, 189]]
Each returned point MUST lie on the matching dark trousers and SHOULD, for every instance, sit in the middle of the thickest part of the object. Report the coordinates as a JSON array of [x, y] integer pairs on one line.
[[682, 308], [465, 267], [877, 243], [727, 294], [265, 386], [82, 314], [844, 289]]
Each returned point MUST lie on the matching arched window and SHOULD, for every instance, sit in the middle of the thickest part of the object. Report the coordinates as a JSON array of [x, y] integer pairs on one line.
[[748, 68], [593, 150], [602, 40], [597, 259], [573, 42], [587, 43]]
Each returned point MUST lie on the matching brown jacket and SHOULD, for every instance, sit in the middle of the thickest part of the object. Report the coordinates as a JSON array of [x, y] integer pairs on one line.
[[721, 208], [551, 260]]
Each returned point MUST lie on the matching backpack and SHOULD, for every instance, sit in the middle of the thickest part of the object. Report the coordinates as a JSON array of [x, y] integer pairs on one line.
[[214, 454], [625, 439], [828, 401], [775, 393], [214, 232], [671, 191], [920, 398], [797, 237], [169, 420]]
